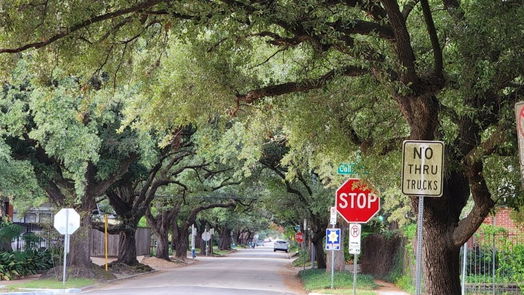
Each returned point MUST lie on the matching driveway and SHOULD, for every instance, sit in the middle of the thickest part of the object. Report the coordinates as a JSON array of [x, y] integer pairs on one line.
[[248, 271]]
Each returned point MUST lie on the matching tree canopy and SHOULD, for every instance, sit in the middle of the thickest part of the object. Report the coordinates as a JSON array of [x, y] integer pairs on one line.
[[332, 80]]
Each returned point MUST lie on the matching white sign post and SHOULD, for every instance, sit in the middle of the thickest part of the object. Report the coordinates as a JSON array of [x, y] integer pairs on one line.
[[354, 238], [519, 116], [333, 244], [193, 234], [422, 176], [206, 236], [66, 222], [333, 215], [354, 248]]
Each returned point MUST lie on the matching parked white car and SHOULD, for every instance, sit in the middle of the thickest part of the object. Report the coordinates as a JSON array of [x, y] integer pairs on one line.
[[280, 245]]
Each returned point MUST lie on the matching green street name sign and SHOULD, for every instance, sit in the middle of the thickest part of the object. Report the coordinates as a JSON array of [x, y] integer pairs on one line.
[[346, 168]]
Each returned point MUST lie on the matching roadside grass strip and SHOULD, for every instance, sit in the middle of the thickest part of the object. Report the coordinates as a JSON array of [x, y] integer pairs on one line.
[[219, 252], [319, 281], [50, 284], [303, 258]]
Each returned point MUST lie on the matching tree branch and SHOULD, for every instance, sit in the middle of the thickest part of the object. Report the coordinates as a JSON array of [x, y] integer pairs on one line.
[[483, 204], [363, 28], [487, 147], [408, 7], [430, 25], [402, 41], [303, 86], [97, 189], [86, 23]]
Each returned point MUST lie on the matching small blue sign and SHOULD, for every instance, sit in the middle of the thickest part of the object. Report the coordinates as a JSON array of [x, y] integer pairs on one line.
[[332, 239]]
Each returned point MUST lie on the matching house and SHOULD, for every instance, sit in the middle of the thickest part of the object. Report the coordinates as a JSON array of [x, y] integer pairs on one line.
[[6, 209], [34, 216], [502, 218]]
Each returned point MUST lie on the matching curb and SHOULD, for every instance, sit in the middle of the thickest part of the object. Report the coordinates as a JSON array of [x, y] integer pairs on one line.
[[30, 291], [44, 291]]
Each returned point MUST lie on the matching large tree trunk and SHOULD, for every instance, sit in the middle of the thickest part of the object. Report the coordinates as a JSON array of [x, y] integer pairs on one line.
[[440, 254], [320, 257], [127, 247], [442, 265], [160, 226], [225, 239], [182, 243], [80, 241], [162, 246]]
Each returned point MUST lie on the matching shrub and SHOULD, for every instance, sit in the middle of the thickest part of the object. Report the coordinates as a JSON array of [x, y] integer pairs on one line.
[[512, 264], [17, 264]]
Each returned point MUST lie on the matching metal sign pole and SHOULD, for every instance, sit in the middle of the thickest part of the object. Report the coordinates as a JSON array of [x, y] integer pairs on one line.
[[418, 268], [193, 241], [66, 244], [355, 274], [304, 249], [494, 253], [106, 243], [332, 267], [464, 263]]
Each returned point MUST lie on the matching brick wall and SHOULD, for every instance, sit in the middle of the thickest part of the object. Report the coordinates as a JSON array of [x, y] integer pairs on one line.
[[503, 219]]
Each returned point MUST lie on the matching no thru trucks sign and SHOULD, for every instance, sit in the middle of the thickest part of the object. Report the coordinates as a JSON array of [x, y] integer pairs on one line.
[[422, 168]]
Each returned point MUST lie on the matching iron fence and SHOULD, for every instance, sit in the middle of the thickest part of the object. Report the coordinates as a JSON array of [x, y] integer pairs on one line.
[[493, 263]]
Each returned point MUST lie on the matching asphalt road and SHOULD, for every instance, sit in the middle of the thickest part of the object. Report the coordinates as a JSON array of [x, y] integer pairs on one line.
[[249, 271]]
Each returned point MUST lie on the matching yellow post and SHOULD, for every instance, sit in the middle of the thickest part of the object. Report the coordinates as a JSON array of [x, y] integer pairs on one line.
[[105, 238]]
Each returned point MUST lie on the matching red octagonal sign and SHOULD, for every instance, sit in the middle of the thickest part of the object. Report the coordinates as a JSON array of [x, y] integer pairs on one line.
[[299, 237], [356, 201]]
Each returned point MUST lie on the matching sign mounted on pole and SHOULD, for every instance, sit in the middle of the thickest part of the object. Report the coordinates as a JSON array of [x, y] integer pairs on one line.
[[346, 168], [332, 239], [356, 201], [66, 222], [333, 215], [206, 236], [422, 168], [354, 238], [519, 115], [299, 237]]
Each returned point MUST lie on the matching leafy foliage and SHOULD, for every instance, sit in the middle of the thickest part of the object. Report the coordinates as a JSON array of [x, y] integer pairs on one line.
[[8, 232], [18, 264]]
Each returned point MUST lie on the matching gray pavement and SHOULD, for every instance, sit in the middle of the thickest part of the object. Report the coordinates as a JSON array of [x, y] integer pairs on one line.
[[249, 271]]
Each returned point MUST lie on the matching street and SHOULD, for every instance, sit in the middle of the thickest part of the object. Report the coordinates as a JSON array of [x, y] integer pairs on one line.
[[257, 271]]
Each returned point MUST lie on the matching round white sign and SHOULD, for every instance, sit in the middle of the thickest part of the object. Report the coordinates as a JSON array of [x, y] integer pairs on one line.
[[206, 236]]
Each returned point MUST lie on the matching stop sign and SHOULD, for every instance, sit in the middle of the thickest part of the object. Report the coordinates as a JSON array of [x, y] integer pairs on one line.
[[356, 201], [299, 237], [66, 221]]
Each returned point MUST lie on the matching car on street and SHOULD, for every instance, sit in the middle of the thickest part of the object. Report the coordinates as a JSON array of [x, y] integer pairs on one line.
[[280, 246]]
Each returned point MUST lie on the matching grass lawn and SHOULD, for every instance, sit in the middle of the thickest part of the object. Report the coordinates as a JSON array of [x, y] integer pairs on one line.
[[319, 281], [217, 251], [299, 262], [51, 284]]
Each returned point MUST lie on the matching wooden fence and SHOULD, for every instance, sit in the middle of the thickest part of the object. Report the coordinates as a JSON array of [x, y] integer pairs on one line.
[[142, 237]]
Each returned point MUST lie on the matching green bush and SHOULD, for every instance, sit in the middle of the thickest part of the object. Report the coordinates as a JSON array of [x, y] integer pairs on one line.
[[30, 240], [315, 279], [512, 264], [18, 264], [8, 232], [405, 283], [302, 258]]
